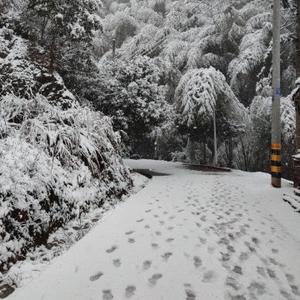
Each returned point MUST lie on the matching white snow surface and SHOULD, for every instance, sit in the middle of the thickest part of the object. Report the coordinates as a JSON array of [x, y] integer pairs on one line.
[[190, 235]]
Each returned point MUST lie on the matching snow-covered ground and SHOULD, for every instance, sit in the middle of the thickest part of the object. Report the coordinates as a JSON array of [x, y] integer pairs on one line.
[[190, 235]]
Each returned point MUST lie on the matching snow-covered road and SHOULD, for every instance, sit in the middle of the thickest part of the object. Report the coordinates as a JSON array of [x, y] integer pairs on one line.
[[190, 235]]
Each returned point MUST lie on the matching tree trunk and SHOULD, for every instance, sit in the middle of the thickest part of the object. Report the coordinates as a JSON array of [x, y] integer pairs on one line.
[[245, 155], [230, 152], [190, 149], [204, 153]]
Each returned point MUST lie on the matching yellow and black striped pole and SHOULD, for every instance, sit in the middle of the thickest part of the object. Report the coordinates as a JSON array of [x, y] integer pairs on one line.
[[276, 123], [276, 165]]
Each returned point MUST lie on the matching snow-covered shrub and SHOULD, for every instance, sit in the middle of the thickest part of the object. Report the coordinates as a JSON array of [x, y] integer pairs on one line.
[[22, 72], [252, 152], [55, 165]]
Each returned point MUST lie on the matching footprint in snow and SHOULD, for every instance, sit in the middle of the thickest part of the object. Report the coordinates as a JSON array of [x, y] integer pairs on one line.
[[286, 294], [169, 240], [224, 241], [261, 271], [203, 218], [112, 249], [271, 273], [167, 255], [131, 241], [257, 289], [96, 276], [154, 245], [238, 270], [273, 261], [202, 240], [233, 283], [107, 295], [155, 277], [252, 249], [130, 290], [290, 278], [295, 290], [190, 294], [117, 263], [244, 256], [147, 265], [129, 232], [140, 220], [197, 262], [208, 276]]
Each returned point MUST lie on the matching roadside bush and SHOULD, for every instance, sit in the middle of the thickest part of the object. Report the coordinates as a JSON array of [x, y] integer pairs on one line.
[[55, 165]]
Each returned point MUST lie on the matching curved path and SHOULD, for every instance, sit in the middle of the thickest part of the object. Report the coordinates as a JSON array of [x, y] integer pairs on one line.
[[190, 235]]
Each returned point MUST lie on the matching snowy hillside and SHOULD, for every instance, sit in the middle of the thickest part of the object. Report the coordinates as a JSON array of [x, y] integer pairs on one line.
[[59, 160]]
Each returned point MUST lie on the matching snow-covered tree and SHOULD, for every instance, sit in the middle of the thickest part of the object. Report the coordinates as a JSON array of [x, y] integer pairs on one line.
[[133, 97], [244, 69], [59, 25], [202, 93]]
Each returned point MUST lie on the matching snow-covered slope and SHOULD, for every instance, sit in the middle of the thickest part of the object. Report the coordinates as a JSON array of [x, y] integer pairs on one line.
[[58, 160]]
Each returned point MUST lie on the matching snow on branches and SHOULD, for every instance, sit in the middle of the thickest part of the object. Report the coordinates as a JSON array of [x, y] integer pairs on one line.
[[203, 91]]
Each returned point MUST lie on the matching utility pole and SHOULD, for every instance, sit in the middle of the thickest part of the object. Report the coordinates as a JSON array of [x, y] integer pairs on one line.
[[215, 139], [276, 125], [297, 95], [296, 99]]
